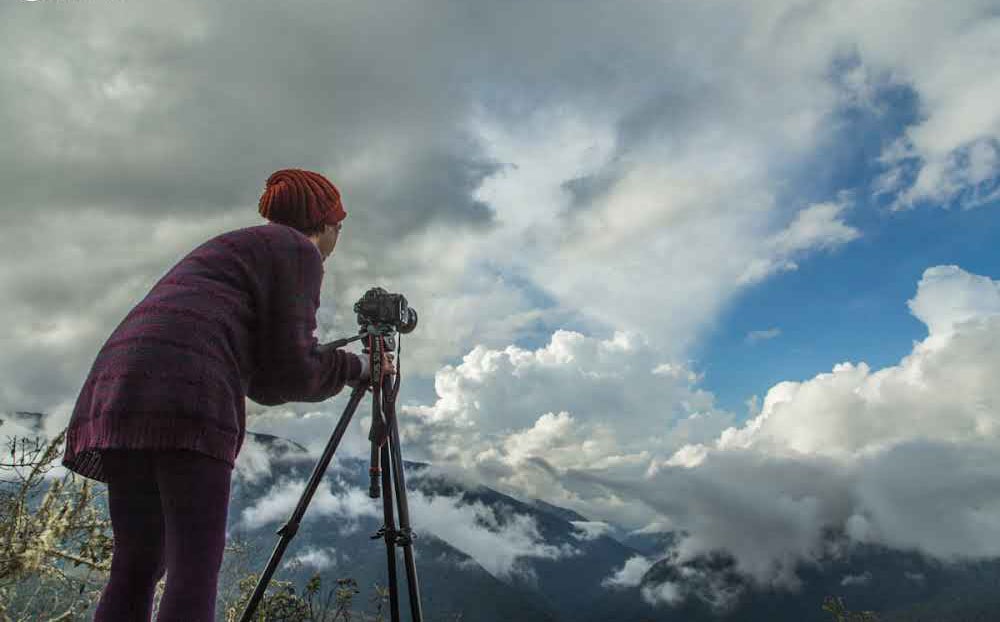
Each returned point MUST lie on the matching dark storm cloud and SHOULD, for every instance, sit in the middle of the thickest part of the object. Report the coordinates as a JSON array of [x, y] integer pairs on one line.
[[189, 112]]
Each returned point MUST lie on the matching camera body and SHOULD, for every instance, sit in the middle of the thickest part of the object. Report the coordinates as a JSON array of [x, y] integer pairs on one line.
[[381, 308]]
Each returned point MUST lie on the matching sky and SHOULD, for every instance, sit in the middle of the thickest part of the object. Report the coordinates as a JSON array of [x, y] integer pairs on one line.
[[721, 267]]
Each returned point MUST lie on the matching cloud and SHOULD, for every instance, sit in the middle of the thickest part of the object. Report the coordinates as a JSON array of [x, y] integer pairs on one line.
[[762, 335], [948, 296], [816, 227], [604, 181], [861, 579], [840, 450], [590, 530], [280, 500], [946, 57], [522, 186], [318, 558], [497, 538], [834, 452], [530, 420], [630, 574], [712, 582], [666, 592]]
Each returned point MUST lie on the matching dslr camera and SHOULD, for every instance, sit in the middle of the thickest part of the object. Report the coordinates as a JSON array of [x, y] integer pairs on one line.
[[380, 308]]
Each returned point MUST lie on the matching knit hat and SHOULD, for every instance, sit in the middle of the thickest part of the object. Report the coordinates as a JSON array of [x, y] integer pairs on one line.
[[301, 199]]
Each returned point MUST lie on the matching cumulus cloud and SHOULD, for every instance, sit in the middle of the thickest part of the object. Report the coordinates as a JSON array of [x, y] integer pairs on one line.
[[948, 296], [526, 421], [841, 450]]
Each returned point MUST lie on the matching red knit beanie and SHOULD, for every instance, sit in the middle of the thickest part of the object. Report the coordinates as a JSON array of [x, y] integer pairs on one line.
[[301, 199]]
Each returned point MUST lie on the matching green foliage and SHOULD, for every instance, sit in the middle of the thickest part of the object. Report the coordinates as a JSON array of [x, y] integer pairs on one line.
[[281, 603], [54, 551], [835, 605]]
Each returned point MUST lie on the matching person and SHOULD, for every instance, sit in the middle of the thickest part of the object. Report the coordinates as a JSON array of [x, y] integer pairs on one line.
[[161, 415]]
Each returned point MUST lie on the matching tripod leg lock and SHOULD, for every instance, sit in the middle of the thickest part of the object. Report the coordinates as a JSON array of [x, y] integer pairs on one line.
[[405, 537], [288, 529], [399, 537]]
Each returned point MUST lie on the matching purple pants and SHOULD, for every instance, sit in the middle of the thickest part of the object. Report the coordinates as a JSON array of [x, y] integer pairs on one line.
[[168, 514]]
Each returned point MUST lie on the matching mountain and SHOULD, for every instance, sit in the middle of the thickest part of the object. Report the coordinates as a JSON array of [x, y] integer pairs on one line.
[[567, 586], [449, 580], [901, 586]]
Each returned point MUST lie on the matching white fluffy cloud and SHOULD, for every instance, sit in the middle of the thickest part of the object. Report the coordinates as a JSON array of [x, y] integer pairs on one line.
[[904, 456], [524, 420]]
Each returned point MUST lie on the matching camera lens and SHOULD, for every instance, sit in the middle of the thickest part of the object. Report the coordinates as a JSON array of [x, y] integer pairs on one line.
[[409, 322]]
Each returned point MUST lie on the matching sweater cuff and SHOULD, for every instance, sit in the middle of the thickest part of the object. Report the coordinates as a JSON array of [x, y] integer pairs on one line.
[[365, 373]]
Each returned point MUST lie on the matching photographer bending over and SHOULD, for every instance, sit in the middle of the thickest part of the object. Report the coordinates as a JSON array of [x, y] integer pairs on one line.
[[161, 416]]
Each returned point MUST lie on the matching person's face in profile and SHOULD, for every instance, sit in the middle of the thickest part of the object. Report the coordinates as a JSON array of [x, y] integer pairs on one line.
[[327, 240]]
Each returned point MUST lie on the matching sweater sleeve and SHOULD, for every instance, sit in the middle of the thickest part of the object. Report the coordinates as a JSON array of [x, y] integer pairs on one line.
[[297, 367]]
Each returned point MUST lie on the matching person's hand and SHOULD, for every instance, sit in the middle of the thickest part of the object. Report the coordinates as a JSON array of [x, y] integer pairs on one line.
[[387, 363], [388, 366]]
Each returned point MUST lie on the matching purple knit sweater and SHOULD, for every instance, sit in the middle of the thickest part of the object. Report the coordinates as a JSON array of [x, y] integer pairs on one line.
[[233, 319]]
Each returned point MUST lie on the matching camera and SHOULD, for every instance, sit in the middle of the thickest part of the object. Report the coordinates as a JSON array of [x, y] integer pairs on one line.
[[381, 308]]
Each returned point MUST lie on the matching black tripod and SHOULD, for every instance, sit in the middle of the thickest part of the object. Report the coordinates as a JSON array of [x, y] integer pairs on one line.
[[384, 436]]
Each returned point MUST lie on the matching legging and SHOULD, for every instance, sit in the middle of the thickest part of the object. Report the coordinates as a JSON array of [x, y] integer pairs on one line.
[[168, 514]]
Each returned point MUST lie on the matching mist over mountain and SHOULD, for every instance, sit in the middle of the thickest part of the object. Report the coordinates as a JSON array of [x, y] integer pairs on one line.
[[492, 557]]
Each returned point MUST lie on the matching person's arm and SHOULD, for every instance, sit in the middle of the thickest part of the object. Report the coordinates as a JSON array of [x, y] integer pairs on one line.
[[365, 373], [269, 390], [297, 368]]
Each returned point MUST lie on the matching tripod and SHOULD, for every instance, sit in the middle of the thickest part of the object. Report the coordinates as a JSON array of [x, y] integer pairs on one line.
[[384, 436]]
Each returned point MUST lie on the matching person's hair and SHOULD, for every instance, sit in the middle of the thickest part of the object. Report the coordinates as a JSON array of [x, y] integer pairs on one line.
[[317, 230]]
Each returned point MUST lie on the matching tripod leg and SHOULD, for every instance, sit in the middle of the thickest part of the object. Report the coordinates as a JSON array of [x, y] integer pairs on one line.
[[390, 534], [287, 531], [404, 511]]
